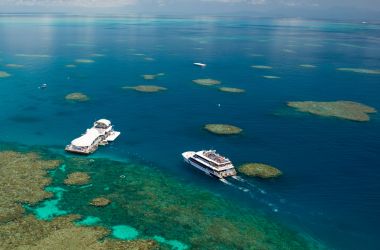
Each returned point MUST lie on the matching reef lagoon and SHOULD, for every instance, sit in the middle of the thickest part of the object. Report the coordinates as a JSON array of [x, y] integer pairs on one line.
[[137, 193]]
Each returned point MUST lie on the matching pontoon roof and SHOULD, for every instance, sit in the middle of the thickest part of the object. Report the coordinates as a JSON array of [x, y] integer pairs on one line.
[[104, 121], [87, 139]]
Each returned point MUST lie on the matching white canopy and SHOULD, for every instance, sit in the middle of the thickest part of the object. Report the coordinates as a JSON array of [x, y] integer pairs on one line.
[[87, 139], [104, 121]]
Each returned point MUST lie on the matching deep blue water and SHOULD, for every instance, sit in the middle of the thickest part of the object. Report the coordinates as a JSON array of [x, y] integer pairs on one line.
[[330, 187]]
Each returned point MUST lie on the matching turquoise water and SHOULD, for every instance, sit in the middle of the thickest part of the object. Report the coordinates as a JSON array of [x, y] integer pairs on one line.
[[330, 184]]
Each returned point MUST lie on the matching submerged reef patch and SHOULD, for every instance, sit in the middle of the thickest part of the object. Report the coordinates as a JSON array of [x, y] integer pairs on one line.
[[307, 66], [146, 88], [100, 202], [261, 67], [70, 66], [4, 74], [152, 76], [223, 129], [12, 65], [34, 55], [207, 82], [124, 232], [22, 181], [361, 71], [77, 178], [231, 90], [77, 97], [260, 170], [84, 61], [348, 110]]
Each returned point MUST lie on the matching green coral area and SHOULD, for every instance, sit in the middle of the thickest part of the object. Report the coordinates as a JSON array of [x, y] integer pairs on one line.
[[348, 110], [223, 129], [24, 176], [260, 170], [148, 208]]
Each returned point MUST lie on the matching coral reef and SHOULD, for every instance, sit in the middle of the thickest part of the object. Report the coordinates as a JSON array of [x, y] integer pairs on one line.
[[231, 90], [12, 65], [342, 109], [34, 55], [146, 88], [100, 202], [361, 71], [307, 66], [261, 67], [77, 178], [260, 170], [84, 61], [22, 181], [223, 129], [4, 74], [70, 66], [77, 97], [152, 77], [207, 82]]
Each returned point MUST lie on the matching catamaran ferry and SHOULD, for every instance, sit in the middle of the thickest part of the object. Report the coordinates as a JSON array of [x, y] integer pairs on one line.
[[100, 134], [210, 162]]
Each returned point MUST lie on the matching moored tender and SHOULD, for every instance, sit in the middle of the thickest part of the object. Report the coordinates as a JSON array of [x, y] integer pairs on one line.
[[210, 163], [100, 134]]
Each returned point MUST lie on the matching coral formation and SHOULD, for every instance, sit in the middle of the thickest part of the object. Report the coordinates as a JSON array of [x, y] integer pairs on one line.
[[223, 129], [77, 97], [4, 74], [12, 65], [152, 76], [361, 71], [307, 66], [84, 61], [77, 178], [100, 202], [207, 82], [34, 55], [146, 88], [261, 67], [231, 90], [70, 66], [342, 109], [22, 181], [260, 170]]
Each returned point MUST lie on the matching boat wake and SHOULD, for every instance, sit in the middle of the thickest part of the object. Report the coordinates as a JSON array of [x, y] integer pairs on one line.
[[254, 192]]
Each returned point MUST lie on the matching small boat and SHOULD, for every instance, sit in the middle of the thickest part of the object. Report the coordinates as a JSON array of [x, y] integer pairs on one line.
[[100, 134], [200, 64], [43, 86], [210, 162]]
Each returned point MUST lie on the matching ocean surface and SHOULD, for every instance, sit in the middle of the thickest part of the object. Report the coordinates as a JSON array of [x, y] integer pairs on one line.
[[330, 186]]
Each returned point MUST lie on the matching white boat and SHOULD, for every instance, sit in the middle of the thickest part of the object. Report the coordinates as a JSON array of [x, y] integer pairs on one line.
[[200, 64], [210, 163], [100, 134]]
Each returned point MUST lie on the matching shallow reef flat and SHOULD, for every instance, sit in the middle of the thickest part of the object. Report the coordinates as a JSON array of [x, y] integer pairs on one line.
[[348, 110], [4, 74], [361, 71], [146, 88], [206, 82], [149, 210], [223, 129], [86, 61], [77, 97], [77, 178], [231, 90], [261, 67], [13, 65], [260, 170]]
